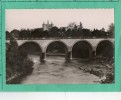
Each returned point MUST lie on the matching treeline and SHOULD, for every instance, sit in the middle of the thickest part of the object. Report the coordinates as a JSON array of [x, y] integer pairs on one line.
[[72, 31], [17, 62]]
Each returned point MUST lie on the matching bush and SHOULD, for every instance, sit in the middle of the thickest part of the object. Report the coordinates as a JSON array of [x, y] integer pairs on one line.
[[17, 61], [109, 78]]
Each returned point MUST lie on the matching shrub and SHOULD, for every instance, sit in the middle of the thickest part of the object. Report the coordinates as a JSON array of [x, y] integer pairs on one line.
[[17, 61]]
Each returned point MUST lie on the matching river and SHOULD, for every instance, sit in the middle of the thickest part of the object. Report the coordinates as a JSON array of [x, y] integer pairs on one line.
[[56, 70]]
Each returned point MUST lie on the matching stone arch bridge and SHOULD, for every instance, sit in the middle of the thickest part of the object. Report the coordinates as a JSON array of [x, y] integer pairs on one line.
[[69, 44]]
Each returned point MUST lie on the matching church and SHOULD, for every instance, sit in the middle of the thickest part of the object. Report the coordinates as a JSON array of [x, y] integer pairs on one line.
[[48, 26]]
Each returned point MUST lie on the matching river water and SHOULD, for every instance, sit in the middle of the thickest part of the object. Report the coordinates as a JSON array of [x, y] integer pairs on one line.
[[56, 70]]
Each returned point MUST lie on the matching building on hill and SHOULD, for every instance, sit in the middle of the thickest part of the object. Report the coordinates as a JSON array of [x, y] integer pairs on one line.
[[48, 26]]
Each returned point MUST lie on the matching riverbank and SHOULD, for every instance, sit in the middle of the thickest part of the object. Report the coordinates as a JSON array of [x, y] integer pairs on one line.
[[17, 78], [104, 71]]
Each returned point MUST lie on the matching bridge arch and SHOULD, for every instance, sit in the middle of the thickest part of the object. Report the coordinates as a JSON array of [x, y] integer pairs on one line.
[[82, 49], [31, 47], [55, 42], [105, 48], [57, 47]]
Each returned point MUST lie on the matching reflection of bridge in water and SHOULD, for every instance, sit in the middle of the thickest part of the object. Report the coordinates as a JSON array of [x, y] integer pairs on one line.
[[92, 46]]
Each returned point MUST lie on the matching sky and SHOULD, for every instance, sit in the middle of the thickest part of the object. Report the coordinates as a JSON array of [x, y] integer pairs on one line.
[[34, 18]]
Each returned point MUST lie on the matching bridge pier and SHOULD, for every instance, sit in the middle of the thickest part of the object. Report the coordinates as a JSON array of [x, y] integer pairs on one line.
[[43, 56], [94, 53], [68, 55]]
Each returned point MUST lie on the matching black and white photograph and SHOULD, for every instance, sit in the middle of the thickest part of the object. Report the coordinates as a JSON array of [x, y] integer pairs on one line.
[[60, 46]]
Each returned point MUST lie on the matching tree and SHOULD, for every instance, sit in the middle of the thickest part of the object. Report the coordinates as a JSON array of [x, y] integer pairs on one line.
[[80, 26], [7, 35], [54, 32], [15, 33], [72, 25], [23, 33], [17, 61], [36, 33], [103, 30], [86, 33], [111, 30]]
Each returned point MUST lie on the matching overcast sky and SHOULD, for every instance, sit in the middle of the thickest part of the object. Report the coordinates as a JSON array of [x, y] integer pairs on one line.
[[33, 18]]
